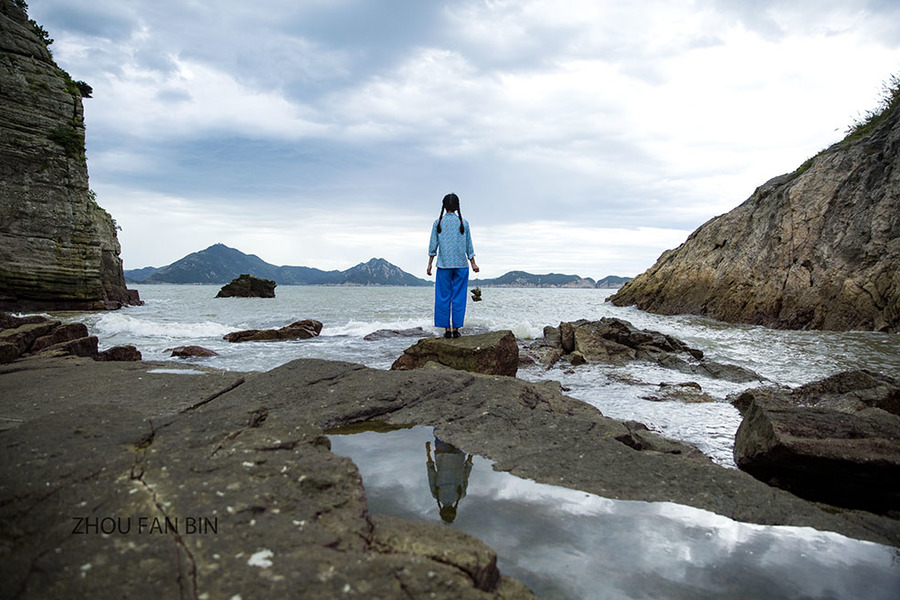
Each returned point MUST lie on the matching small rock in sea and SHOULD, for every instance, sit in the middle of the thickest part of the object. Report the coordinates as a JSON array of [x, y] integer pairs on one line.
[[189, 351], [300, 330], [248, 286], [476, 295], [382, 334], [120, 353], [689, 392]]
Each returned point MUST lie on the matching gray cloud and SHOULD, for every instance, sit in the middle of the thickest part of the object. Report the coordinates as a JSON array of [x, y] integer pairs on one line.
[[605, 114]]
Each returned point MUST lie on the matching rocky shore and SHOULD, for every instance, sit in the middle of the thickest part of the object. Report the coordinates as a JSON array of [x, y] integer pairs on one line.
[[203, 483]]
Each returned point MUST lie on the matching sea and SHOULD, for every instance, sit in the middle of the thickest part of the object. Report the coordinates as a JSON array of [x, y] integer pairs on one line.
[[561, 543], [179, 315]]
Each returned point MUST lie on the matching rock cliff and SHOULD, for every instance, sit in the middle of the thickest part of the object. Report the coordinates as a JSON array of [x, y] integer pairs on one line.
[[815, 249], [58, 248]]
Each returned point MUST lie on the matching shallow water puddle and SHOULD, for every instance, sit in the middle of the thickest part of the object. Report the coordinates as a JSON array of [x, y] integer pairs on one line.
[[564, 543]]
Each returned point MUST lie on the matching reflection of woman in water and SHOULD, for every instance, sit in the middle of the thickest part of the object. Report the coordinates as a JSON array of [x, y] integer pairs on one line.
[[448, 476]]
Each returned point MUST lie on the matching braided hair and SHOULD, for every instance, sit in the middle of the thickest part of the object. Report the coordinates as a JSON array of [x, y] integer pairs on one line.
[[451, 204]]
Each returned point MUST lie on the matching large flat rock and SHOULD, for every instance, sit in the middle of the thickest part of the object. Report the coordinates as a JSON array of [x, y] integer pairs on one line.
[[101, 495], [124, 446], [842, 458], [493, 353]]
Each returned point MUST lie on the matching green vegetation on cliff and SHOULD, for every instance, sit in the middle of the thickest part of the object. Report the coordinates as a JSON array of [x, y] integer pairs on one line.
[[867, 123]]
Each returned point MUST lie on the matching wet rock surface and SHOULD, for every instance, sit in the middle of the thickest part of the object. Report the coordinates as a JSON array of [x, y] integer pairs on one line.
[[36, 335], [299, 330], [494, 353], [181, 496], [617, 342], [382, 334], [826, 441], [246, 453], [192, 352], [689, 393], [248, 286]]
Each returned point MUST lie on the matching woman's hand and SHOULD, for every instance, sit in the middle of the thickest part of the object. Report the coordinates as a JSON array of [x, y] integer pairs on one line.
[[474, 266], [428, 268]]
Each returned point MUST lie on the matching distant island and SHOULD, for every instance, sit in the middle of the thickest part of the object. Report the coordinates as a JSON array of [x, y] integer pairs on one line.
[[552, 280], [219, 264]]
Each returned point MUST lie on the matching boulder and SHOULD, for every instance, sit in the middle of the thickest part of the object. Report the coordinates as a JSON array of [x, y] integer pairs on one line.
[[192, 351], [494, 353], [8, 321], [852, 391], [86, 347], [689, 393], [299, 330], [120, 353], [614, 341], [38, 335], [23, 336], [617, 342], [248, 286], [840, 458], [64, 333], [849, 391], [545, 351]]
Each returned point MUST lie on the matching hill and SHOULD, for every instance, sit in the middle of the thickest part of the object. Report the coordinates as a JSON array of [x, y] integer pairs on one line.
[[550, 280], [612, 282], [219, 264]]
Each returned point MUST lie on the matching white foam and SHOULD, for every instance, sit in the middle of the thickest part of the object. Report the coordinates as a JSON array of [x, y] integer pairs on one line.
[[363, 328], [116, 323]]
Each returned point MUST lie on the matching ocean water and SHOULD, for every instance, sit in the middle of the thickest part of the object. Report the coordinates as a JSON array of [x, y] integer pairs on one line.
[[568, 544], [562, 543], [176, 315]]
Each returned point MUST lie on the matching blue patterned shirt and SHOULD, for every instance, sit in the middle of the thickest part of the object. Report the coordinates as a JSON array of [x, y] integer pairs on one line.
[[452, 248]]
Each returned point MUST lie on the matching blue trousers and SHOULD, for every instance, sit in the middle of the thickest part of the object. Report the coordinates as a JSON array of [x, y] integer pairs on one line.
[[450, 290]]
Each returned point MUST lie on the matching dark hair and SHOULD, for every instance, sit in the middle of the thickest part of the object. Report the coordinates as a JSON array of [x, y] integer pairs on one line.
[[451, 204]]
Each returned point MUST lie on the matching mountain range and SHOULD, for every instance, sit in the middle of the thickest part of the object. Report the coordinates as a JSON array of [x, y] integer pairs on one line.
[[550, 280], [219, 264]]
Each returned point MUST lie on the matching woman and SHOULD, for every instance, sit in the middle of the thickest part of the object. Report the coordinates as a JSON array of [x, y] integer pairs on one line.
[[451, 242]]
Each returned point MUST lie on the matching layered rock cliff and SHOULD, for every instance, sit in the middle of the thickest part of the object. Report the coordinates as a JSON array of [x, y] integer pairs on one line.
[[815, 249], [58, 248]]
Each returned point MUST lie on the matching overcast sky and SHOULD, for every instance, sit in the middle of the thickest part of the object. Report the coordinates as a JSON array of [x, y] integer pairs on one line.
[[582, 137]]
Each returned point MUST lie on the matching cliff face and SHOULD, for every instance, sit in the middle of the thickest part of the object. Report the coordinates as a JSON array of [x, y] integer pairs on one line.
[[58, 248], [815, 249]]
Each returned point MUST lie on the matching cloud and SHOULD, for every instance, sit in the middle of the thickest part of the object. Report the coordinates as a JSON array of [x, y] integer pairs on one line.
[[599, 132]]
